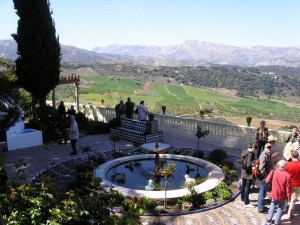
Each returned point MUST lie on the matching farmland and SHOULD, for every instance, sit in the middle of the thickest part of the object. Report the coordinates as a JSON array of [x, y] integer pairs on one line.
[[179, 99]]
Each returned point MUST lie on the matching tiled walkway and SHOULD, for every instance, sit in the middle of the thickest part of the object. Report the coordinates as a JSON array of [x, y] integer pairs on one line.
[[40, 158]]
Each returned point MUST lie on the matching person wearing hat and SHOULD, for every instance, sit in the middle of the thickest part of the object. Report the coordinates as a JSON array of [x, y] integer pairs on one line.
[[295, 147], [265, 166], [293, 168], [262, 134], [129, 108], [272, 140]]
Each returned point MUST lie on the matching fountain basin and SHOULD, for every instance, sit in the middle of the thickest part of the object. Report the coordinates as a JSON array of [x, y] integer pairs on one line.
[[215, 174]]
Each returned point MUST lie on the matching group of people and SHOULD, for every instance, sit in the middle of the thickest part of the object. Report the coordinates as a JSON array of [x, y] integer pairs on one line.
[[127, 110], [282, 173], [68, 126]]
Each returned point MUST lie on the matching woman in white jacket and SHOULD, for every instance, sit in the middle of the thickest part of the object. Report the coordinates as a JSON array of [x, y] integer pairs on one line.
[[74, 134]]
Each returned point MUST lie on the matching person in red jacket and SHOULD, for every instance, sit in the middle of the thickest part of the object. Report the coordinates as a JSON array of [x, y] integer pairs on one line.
[[281, 191], [293, 168]]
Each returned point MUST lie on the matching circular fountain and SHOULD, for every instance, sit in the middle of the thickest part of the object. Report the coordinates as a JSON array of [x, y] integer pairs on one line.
[[214, 175]]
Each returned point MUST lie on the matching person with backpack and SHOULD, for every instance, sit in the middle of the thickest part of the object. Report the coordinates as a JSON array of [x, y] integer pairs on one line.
[[265, 166], [248, 158]]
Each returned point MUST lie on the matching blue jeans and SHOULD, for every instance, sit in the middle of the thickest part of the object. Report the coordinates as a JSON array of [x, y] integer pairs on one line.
[[245, 190], [279, 212], [261, 195]]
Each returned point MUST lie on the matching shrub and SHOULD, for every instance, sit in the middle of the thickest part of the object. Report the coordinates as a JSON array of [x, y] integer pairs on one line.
[[224, 194], [199, 154], [80, 118], [217, 155], [208, 195], [117, 154], [113, 123], [227, 162], [210, 202], [233, 174], [97, 127], [222, 191]]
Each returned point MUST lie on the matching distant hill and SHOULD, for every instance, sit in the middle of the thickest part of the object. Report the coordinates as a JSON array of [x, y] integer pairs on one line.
[[212, 53], [8, 50], [190, 53]]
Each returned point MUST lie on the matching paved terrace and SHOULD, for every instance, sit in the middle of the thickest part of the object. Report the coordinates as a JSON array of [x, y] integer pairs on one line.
[[42, 157]]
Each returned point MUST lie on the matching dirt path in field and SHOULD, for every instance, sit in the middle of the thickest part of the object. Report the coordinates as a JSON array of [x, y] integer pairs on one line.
[[272, 124], [147, 88]]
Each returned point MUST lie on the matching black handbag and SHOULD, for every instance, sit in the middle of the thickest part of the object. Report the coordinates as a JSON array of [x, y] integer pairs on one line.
[[269, 185]]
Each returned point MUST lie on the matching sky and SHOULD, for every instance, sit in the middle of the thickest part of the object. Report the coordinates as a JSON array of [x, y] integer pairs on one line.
[[243, 23]]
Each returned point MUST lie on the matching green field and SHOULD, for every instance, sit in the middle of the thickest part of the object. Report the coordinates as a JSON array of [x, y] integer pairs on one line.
[[179, 99]]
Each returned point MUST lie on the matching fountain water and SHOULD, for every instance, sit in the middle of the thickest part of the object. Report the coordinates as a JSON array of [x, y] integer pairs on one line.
[[214, 176]]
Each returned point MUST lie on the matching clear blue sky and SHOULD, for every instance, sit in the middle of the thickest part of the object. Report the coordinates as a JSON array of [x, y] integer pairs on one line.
[[244, 23]]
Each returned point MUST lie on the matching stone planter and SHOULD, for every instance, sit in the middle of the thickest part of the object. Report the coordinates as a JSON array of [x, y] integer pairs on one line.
[[153, 126]]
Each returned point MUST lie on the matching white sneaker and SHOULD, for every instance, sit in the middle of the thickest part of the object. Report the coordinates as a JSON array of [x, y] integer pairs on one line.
[[267, 197], [250, 206]]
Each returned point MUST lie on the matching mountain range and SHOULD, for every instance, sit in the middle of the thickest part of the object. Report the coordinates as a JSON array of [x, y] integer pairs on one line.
[[187, 53]]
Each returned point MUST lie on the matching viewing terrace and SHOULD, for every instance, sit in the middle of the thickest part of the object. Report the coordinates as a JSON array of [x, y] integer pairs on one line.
[[222, 134]]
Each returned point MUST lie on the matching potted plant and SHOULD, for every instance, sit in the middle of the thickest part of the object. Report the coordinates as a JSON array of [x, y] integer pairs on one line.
[[152, 123], [164, 108], [248, 120], [201, 114], [151, 116]]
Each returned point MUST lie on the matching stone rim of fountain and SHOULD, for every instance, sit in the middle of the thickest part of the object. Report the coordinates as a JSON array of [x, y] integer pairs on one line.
[[215, 175]]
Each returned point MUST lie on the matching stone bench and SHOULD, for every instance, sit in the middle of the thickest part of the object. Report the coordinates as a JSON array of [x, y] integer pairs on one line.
[[135, 131]]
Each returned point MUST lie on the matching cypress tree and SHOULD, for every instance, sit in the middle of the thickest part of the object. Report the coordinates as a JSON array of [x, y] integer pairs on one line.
[[38, 62]]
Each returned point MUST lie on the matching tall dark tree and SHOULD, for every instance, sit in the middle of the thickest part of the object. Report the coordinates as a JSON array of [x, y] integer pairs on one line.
[[38, 64]]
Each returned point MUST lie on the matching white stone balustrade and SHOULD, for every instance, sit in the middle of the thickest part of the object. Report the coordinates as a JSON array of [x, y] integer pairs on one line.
[[236, 136]]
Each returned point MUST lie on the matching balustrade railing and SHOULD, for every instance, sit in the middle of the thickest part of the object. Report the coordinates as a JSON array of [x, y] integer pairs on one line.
[[236, 136]]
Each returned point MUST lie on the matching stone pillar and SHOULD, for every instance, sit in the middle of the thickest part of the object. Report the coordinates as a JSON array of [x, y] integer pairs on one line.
[[77, 96]]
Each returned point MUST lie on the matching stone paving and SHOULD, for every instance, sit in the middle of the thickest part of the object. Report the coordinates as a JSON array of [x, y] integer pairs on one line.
[[234, 212]]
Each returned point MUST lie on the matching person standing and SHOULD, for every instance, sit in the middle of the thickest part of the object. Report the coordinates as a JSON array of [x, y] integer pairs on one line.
[[293, 136], [295, 147], [61, 110], [120, 109], [142, 111], [129, 108], [71, 112], [248, 157], [74, 134], [293, 168], [262, 134], [290, 144], [281, 191], [63, 123], [265, 166]]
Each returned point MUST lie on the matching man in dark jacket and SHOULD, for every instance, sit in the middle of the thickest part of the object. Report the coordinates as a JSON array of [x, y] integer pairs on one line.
[[129, 108], [265, 166]]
